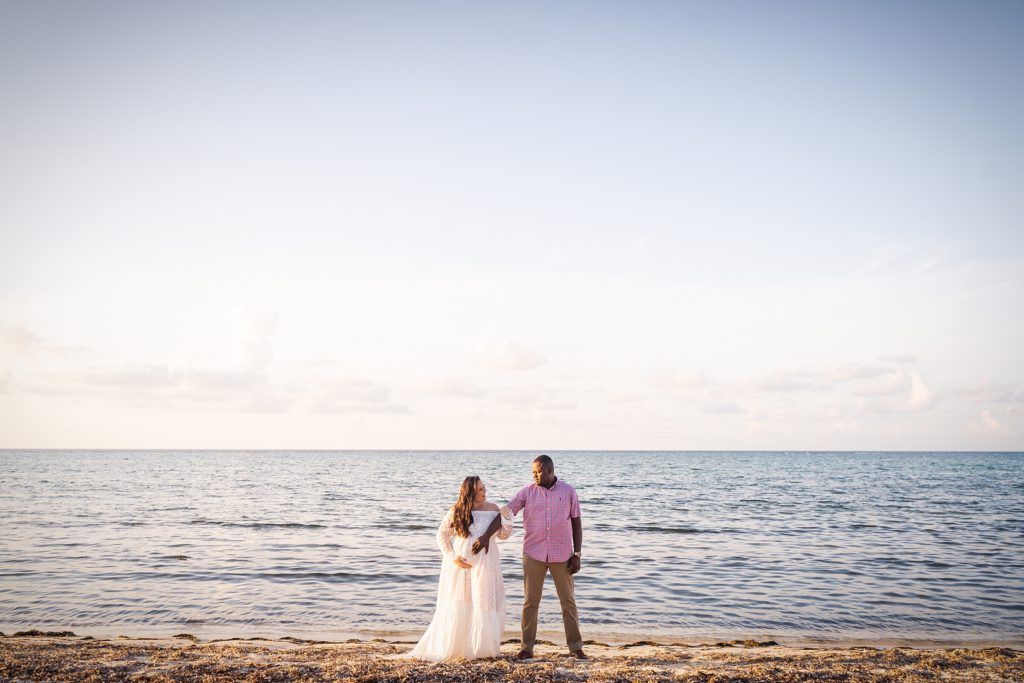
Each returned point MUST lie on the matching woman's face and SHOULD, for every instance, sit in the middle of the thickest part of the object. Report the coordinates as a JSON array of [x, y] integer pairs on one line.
[[481, 493]]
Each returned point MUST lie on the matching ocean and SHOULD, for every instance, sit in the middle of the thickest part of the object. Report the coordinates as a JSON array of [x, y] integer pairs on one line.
[[678, 546]]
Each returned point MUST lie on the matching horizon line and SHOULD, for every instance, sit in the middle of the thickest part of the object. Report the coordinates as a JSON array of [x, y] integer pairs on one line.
[[500, 450]]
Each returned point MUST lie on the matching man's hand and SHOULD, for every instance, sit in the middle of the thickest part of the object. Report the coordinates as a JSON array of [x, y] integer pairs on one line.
[[484, 540], [573, 565], [462, 563]]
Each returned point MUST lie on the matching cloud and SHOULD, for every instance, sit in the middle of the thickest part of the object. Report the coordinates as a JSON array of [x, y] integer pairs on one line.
[[921, 396], [785, 381], [683, 383], [351, 395], [452, 388], [161, 386], [533, 398], [207, 380], [239, 381], [987, 424], [854, 371], [155, 385], [721, 408], [845, 426], [158, 377], [621, 397], [899, 359], [897, 382], [22, 341], [508, 356], [124, 377], [987, 393], [265, 403], [698, 385]]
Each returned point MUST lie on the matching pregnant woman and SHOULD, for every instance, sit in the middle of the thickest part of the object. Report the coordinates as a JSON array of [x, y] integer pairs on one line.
[[470, 614]]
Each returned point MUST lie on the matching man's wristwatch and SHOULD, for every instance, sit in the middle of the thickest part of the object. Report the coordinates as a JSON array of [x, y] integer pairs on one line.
[[578, 554]]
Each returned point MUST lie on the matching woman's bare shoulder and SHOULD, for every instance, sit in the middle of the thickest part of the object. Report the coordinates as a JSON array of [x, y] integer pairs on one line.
[[492, 507]]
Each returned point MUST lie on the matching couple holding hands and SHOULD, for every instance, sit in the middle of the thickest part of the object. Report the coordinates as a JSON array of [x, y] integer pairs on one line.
[[470, 615]]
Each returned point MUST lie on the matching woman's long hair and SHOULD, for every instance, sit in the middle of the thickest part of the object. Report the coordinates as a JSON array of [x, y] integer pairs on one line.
[[462, 511]]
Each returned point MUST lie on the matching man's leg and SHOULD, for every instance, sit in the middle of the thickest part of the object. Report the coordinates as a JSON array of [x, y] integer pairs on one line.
[[533, 585], [566, 595]]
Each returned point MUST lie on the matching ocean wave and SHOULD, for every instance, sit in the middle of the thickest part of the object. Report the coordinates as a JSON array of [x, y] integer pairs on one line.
[[651, 528], [256, 525]]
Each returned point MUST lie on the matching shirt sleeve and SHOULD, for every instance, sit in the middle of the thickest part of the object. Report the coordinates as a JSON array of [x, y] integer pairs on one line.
[[444, 535], [505, 531], [518, 501], [574, 505]]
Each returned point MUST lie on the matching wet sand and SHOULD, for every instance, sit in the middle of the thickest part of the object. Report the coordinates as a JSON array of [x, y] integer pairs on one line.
[[51, 657]]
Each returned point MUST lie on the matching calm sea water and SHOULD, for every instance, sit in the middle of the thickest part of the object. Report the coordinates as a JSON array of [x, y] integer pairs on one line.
[[798, 546]]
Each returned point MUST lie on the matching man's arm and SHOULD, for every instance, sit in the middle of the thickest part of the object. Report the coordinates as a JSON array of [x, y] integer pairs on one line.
[[517, 503], [577, 544], [484, 540]]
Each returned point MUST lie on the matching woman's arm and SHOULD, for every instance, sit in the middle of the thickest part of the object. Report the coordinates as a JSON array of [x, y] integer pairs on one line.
[[444, 536], [444, 542]]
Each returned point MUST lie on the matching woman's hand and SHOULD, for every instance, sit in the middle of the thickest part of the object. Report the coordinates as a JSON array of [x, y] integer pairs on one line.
[[461, 563]]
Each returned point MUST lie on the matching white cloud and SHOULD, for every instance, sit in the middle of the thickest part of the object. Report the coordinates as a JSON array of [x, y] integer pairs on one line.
[[213, 380], [901, 359], [683, 383], [983, 392], [895, 383], [154, 385], [265, 403], [509, 356], [22, 341], [720, 407], [124, 377], [352, 395], [533, 398], [854, 371], [846, 426], [452, 388], [921, 396], [987, 423], [784, 381]]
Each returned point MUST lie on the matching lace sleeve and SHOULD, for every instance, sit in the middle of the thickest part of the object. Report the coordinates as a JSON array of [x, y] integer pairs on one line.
[[505, 531], [444, 535]]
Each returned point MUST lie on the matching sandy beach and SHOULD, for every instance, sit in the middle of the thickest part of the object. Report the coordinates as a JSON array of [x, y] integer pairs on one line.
[[50, 656]]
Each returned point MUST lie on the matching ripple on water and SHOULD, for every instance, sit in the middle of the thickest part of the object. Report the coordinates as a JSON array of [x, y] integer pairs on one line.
[[876, 544]]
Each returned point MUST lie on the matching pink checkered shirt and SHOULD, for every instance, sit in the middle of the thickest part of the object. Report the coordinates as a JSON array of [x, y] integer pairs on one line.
[[547, 529]]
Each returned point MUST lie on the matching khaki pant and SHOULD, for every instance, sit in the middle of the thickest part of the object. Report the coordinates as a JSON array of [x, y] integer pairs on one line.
[[534, 573]]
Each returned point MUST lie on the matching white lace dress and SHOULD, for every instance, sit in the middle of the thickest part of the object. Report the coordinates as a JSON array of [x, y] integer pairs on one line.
[[470, 614]]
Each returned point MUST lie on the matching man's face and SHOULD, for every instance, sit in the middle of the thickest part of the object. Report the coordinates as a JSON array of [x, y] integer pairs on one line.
[[543, 475]]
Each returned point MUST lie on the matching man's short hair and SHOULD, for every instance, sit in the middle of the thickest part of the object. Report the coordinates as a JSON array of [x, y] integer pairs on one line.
[[545, 461]]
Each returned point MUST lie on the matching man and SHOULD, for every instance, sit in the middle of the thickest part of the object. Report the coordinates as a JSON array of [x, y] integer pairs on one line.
[[553, 541]]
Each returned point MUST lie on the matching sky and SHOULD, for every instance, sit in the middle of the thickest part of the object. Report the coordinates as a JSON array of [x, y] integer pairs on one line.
[[540, 226]]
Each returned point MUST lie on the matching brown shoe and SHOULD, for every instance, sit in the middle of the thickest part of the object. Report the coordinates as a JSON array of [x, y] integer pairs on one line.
[[523, 656], [578, 654]]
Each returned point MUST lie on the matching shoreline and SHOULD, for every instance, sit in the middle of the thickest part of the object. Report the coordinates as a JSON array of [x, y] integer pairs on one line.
[[551, 637], [56, 657], [217, 633]]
